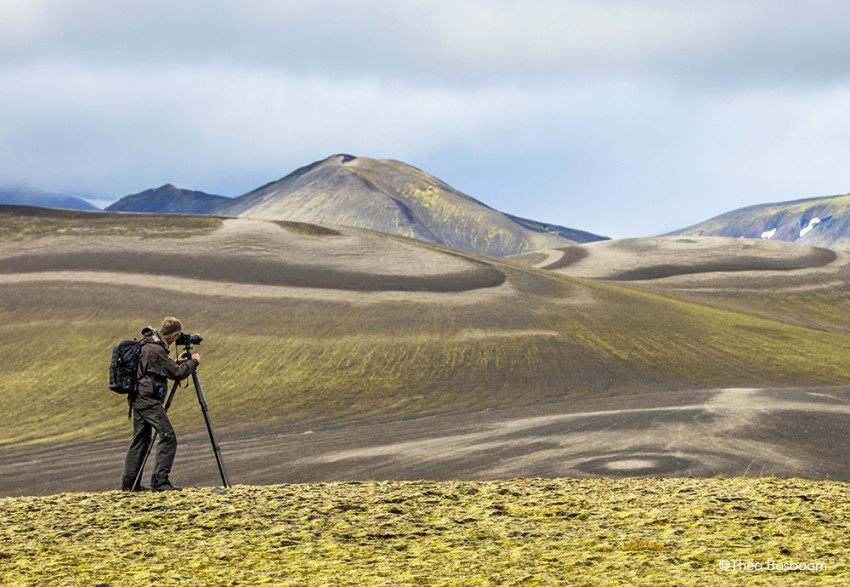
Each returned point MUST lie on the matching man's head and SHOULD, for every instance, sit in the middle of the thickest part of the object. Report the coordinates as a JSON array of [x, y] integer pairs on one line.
[[170, 329]]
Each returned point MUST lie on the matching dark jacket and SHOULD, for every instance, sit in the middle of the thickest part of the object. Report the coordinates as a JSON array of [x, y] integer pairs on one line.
[[155, 368]]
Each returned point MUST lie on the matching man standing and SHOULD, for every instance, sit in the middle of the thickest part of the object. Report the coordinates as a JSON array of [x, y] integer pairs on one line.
[[155, 367]]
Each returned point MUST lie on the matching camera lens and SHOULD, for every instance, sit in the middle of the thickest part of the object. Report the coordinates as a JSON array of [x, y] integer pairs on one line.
[[186, 339]]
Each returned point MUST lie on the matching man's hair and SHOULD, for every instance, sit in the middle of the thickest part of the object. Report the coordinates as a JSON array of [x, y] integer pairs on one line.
[[170, 325]]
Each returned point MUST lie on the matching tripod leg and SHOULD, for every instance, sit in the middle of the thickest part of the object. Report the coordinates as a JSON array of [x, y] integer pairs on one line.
[[216, 449], [138, 480]]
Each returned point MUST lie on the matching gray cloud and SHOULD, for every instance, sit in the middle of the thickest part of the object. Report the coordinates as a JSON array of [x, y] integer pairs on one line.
[[484, 41], [618, 116]]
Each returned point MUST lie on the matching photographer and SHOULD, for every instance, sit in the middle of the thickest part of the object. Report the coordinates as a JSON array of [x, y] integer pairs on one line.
[[155, 367]]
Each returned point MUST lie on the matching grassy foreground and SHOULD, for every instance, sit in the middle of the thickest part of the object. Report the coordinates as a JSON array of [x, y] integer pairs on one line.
[[521, 531]]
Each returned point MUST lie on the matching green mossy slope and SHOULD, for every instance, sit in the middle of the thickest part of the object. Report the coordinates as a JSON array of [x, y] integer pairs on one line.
[[520, 531], [298, 354], [272, 361]]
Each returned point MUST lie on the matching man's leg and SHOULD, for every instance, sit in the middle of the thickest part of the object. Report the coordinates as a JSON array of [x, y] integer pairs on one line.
[[166, 445], [136, 452]]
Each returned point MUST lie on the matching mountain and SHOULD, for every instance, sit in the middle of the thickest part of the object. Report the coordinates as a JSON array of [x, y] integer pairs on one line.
[[382, 195], [395, 198], [170, 200], [26, 196], [821, 222]]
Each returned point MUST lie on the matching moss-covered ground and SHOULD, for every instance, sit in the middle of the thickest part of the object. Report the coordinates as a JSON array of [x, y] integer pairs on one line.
[[24, 222], [513, 532]]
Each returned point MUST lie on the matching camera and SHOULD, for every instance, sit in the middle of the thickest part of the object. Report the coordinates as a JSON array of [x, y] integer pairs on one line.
[[186, 339]]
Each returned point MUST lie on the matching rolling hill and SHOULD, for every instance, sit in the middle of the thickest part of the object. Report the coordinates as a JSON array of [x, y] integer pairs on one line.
[[385, 196], [778, 280], [821, 222], [334, 352]]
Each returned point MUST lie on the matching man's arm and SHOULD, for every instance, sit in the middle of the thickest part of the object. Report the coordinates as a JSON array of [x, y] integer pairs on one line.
[[163, 365]]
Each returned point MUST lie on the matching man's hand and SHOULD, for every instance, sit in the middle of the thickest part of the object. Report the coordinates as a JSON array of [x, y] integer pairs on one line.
[[183, 358]]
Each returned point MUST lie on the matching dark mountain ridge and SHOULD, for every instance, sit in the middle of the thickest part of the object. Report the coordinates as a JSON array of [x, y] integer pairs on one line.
[[168, 199]]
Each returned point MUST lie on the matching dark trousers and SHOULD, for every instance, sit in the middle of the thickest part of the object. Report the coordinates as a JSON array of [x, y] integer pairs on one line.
[[143, 422]]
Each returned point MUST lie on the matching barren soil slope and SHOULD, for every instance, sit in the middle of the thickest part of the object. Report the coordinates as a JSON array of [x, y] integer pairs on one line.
[[312, 327]]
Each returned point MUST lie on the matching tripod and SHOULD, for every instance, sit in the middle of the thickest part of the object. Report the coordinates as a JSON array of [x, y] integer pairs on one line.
[[201, 400]]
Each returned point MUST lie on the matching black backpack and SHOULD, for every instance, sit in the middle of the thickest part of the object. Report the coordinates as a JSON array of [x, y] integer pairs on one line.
[[123, 369]]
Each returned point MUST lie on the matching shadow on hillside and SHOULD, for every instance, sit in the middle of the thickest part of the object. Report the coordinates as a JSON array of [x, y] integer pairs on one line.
[[253, 271]]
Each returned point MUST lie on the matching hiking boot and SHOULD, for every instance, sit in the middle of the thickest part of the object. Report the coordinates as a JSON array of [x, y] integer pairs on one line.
[[127, 484], [167, 486]]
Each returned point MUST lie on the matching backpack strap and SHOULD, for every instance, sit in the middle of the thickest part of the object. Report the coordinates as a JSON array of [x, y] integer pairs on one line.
[[135, 391]]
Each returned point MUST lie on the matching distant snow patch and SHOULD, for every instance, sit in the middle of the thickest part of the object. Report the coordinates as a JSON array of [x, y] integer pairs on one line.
[[768, 234], [812, 223]]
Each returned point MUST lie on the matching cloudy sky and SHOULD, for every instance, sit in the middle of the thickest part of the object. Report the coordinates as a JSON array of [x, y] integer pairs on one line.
[[621, 117]]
